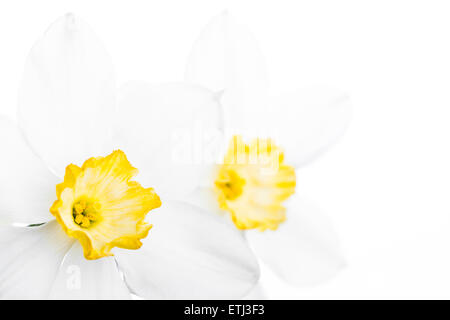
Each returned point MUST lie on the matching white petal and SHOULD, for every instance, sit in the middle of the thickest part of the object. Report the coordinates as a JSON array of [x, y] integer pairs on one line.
[[206, 199], [165, 131], [66, 99], [304, 250], [79, 278], [29, 259], [306, 123], [227, 57], [189, 254], [27, 188]]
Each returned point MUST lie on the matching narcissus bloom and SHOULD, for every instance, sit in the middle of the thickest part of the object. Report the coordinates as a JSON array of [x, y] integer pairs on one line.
[[269, 140], [91, 230]]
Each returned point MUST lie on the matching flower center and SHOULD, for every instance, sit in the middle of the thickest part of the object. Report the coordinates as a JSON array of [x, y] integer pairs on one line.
[[253, 182], [231, 184], [85, 212]]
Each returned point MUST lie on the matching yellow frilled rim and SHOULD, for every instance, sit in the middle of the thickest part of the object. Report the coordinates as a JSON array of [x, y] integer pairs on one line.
[[99, 205], [253, 182]]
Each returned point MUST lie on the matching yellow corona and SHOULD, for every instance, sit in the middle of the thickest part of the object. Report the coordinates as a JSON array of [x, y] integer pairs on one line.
[[253, 182], [101, 206]]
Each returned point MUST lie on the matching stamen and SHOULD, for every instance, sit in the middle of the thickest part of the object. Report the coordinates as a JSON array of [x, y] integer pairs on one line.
[[85, 213], [231, 184]]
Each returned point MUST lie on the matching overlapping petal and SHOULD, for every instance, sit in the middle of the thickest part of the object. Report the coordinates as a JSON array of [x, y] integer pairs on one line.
[[170, 132], [78, 278], [304, 250], [307, 122], [29, 259], [27, 187], [226, 58], [207, 199], [192, 254], [67, 95]]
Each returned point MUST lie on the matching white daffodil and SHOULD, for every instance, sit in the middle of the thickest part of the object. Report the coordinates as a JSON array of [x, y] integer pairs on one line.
[[256, 181], [67, 112]]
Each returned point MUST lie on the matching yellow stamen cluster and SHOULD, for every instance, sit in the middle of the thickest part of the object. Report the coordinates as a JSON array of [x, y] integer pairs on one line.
[[230, 183], [85, 213]]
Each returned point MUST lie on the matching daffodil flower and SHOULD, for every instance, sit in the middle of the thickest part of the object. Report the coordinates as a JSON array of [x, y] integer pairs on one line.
[[256, 183], [91, 230]]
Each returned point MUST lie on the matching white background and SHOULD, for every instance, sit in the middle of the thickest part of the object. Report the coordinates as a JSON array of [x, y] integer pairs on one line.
[[386, 185]]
